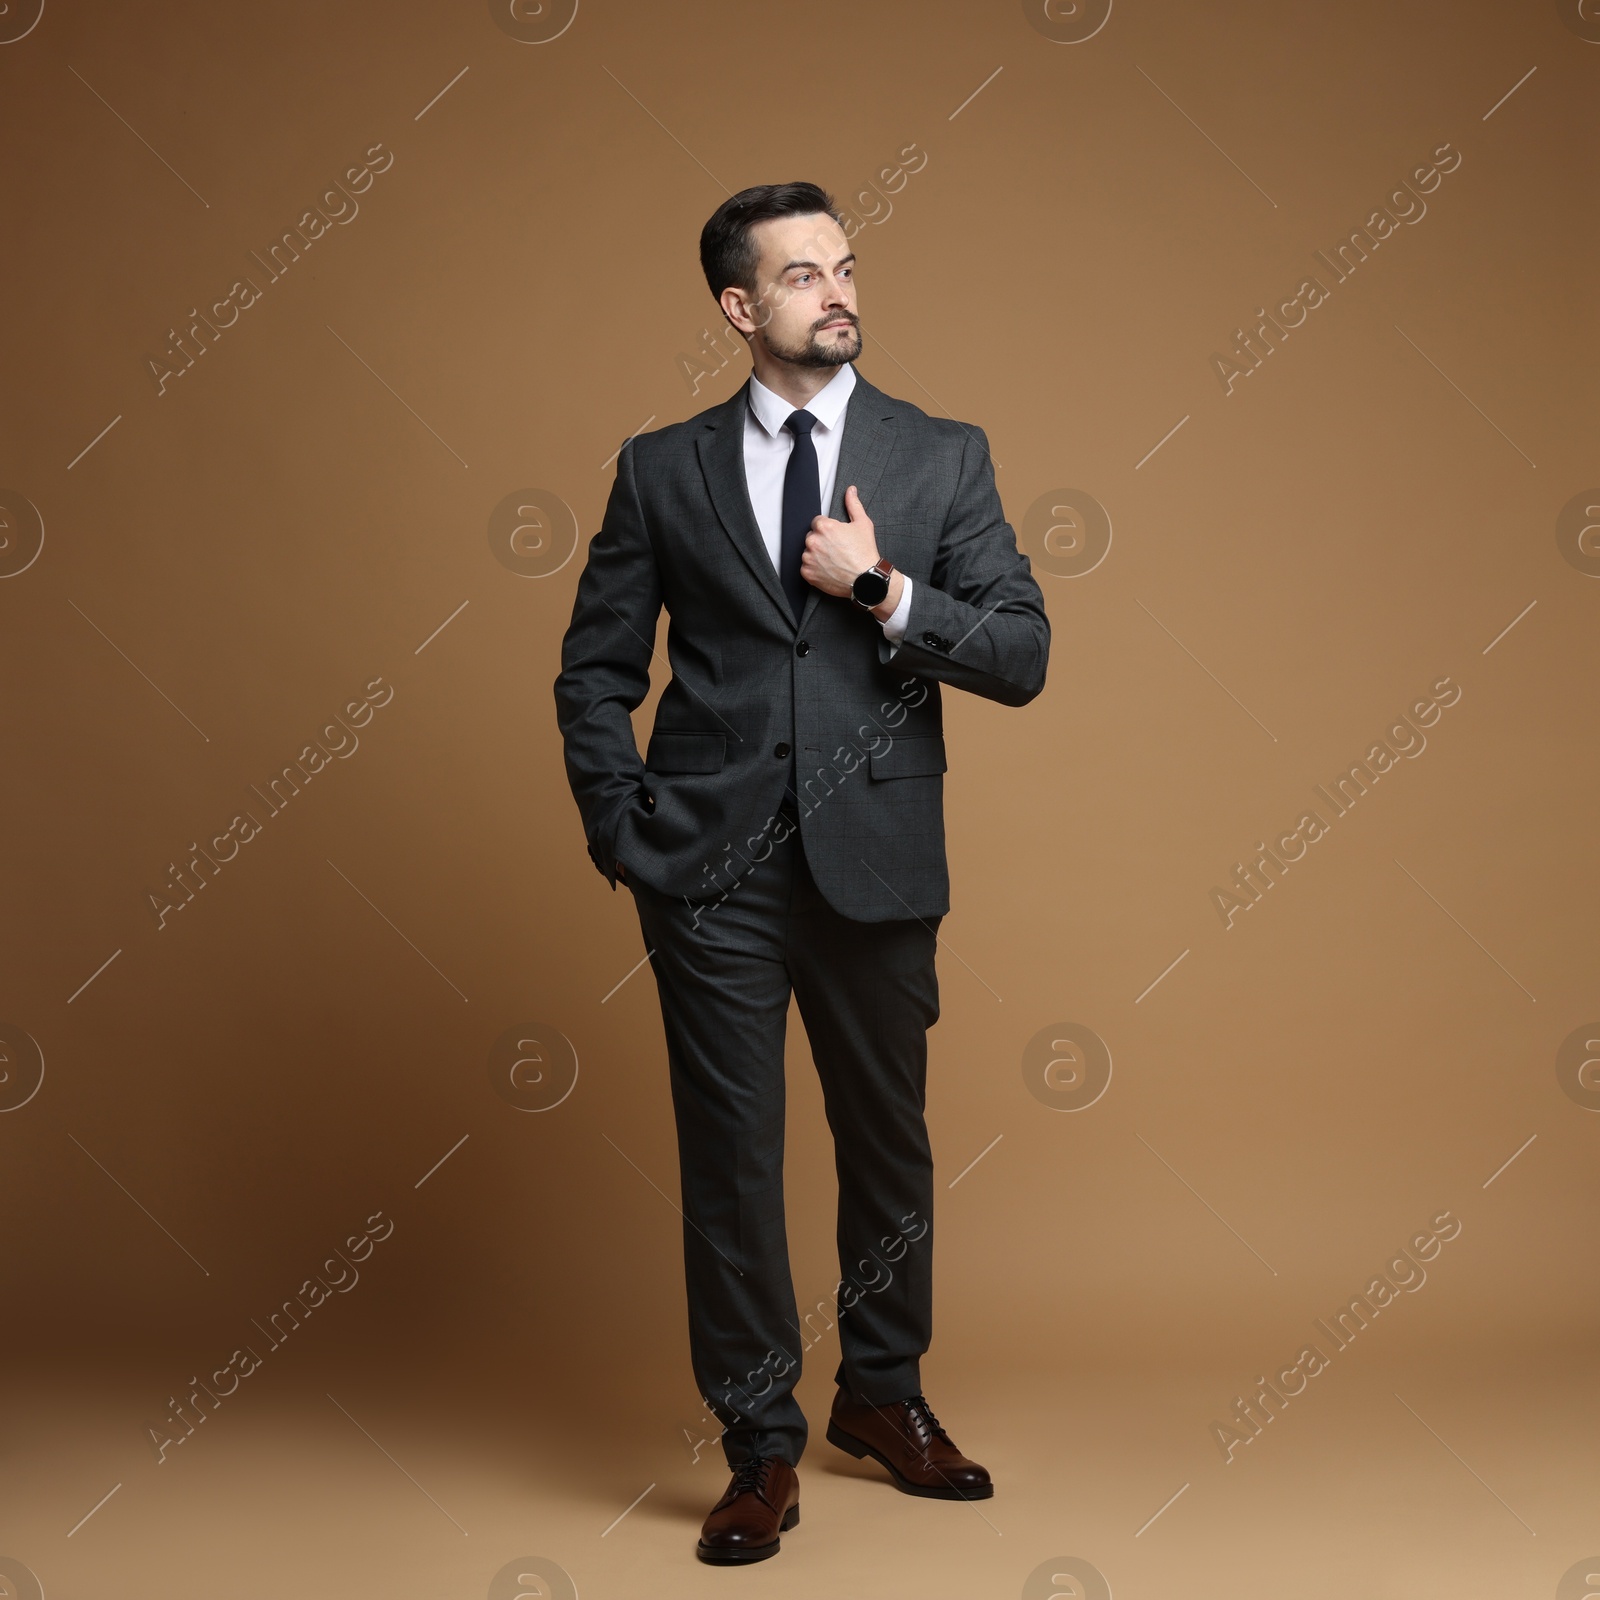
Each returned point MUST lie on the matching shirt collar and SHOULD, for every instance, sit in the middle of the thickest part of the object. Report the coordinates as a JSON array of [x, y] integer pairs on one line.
[[826, 405]]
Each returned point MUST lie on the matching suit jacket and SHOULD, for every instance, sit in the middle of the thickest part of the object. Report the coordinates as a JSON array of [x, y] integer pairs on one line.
[[748, 683]]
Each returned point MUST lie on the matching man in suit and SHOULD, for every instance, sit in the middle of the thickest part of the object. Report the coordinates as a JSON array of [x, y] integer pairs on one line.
[[784, 832]]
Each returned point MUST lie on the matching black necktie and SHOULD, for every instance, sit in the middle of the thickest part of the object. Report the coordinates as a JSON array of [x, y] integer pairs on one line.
[[802, 504]]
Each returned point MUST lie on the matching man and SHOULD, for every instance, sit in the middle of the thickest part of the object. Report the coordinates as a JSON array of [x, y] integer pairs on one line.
[[785, 830]]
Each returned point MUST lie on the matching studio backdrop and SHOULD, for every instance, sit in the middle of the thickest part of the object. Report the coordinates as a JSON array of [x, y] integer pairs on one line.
[[1268, 987]]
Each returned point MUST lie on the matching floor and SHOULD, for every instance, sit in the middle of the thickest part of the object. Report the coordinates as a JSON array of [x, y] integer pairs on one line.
[[1412, 1481]]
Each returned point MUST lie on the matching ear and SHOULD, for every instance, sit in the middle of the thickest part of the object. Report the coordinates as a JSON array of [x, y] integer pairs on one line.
[[735, 306]]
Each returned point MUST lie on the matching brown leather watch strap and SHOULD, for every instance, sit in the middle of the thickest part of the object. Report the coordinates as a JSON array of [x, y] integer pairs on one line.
[[882, 565]]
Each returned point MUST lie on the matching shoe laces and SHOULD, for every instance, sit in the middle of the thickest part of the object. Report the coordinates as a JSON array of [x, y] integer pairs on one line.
[[923, 1419], [750, 1475]]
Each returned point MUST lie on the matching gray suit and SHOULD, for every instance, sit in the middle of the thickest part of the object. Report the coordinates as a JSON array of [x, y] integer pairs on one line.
[[835, 902], [868, 733]]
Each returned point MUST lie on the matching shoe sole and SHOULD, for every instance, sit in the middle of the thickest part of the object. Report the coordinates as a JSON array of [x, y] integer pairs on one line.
[[730, 1555], [858, 1448]]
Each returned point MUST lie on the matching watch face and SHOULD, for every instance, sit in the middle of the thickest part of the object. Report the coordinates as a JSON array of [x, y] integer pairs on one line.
[[870, 588]]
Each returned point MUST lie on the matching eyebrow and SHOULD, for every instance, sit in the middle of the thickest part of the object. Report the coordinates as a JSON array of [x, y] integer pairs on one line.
[[789, 266]]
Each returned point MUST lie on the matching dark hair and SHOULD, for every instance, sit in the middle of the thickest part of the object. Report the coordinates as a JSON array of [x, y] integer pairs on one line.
[[727, 252]]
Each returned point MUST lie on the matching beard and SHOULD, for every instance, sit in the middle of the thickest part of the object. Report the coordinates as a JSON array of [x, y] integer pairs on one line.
[[812, 352]]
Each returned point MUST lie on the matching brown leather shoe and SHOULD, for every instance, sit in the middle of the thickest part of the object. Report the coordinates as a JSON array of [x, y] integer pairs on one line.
[[761, 1501], [906, 1437]]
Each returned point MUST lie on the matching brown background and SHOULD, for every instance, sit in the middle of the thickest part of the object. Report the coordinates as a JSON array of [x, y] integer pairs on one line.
[[237, 557]]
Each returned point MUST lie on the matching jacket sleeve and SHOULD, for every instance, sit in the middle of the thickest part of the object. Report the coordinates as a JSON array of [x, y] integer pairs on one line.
[[605, 668], [980, 625]]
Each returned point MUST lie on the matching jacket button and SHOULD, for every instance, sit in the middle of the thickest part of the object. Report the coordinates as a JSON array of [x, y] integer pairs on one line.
[[802, 648], [781, 751], [932, 640]]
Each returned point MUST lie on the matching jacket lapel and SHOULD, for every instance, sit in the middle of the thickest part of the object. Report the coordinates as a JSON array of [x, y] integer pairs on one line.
[[721, 448], [869, 434]]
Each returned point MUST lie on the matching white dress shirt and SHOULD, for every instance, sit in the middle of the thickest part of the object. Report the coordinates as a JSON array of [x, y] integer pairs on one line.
[[767, 444]]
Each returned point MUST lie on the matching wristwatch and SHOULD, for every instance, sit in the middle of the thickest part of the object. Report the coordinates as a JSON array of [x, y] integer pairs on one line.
[[872, 587]]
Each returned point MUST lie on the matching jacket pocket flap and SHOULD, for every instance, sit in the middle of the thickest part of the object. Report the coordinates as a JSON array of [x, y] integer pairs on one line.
[[918, 756], [685, 752]]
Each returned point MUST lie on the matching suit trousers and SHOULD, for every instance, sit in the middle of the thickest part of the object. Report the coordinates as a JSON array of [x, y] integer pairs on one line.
[[867, 994]]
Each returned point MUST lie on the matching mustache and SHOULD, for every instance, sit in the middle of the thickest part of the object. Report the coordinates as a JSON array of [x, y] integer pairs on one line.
[[836, 316]]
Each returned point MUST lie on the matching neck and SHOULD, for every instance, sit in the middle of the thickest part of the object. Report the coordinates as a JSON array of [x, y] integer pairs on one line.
[[798, 385]]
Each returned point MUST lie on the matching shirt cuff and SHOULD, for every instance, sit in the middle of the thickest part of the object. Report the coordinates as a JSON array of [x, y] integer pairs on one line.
[[894, 625]]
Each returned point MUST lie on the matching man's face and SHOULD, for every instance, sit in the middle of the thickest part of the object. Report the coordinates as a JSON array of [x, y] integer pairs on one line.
[[805, 310]]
